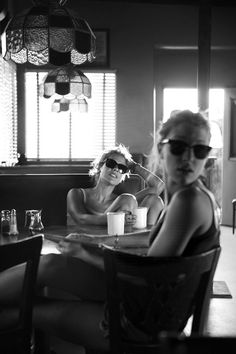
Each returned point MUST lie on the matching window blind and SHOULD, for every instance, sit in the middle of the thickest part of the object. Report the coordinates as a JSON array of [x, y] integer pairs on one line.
[[8, 113], [65, 135]]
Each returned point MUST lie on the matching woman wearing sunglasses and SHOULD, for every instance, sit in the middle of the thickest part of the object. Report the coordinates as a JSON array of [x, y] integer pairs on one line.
[[187, 225], [90, 206], [189, 222]]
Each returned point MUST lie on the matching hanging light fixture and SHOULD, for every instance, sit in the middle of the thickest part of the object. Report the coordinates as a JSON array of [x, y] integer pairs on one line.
[[70, 87], [48, 33], [76, 105]]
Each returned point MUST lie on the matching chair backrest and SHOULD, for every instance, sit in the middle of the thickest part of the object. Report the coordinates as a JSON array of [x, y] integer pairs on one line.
[[171, 343], [133, 184], [155, 294], [18, 334]]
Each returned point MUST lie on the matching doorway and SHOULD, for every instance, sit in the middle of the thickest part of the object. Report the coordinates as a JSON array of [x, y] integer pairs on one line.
[[186, 98]]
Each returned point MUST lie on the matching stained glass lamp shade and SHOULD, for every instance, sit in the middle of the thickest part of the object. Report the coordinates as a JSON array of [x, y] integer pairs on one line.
[[76, 105], [46, 33], [70, 87]]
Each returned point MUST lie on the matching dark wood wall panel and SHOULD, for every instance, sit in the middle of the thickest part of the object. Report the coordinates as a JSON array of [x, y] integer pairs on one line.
[[48, 192]]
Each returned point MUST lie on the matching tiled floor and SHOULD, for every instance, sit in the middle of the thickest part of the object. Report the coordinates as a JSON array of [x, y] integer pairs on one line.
[[222, 312]]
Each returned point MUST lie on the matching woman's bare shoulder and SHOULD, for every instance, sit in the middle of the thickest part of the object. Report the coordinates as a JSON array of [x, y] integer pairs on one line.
[[192, 198], [75, 193]]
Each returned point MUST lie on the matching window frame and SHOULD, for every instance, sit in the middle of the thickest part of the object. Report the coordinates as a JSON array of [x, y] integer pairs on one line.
[[65, 166]]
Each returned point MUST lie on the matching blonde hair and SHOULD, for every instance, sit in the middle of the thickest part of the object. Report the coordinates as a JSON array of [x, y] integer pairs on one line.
[[100, 160], [176, 117]]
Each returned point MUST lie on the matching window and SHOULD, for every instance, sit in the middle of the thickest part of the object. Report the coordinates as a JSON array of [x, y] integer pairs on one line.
[[8, 109], [69, 136], [186, 98]]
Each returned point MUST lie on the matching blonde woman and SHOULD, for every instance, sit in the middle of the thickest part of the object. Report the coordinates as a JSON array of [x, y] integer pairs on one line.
[[188, 225], [90, 205]]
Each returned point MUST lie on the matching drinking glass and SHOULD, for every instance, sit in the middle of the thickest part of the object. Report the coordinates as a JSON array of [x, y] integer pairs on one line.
[[33, 221]]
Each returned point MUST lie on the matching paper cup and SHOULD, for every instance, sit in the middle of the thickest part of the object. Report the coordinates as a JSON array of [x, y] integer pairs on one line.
[[141, 220], [115, 223]]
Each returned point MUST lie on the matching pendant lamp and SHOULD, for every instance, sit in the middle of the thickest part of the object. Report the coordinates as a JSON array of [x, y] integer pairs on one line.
[[76, 105], [48, 33], [70, 87]]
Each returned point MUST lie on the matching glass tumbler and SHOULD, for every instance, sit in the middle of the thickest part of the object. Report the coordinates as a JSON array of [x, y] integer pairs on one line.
[[5, 222], [33, 221]]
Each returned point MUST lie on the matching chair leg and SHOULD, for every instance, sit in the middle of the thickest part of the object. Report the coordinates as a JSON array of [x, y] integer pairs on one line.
[[41, 342]]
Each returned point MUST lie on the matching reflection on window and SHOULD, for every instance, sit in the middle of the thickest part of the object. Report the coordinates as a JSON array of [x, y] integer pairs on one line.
[[65, 136]]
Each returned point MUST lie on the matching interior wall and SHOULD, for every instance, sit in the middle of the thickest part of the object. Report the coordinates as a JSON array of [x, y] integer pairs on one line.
[[135, 30]]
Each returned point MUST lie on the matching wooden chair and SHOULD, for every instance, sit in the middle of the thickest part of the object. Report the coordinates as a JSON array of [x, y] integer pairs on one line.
[[15, 338], [172, 289], [171, 343]]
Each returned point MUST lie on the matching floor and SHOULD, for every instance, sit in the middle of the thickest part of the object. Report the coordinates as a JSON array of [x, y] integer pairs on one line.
[[222, 312]]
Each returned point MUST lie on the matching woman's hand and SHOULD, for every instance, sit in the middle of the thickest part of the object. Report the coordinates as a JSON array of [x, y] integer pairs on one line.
[[71, 248], [129, 218]]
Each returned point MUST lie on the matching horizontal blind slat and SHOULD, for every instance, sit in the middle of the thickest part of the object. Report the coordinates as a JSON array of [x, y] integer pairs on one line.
[[91, 132]]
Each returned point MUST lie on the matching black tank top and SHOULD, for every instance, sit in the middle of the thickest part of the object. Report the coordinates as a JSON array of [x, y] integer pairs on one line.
[[134, 309], [201, 243]]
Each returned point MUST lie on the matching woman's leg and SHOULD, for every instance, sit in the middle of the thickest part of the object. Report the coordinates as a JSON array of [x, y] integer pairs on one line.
[[11, 281], [74, 321], [73, 276], [69, 274], [124, 202], [155, 205]]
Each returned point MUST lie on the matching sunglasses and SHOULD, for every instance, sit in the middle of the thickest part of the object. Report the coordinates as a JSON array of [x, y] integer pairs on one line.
[[178, 147], [110, 163]]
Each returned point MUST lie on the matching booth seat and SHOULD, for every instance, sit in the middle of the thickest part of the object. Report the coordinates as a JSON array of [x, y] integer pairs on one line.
[[48, 192]]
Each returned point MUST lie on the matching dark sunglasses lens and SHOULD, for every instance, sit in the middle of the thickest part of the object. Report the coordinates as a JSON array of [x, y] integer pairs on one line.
[[177, 147], [123, 168], [112, 164], [201, 151]]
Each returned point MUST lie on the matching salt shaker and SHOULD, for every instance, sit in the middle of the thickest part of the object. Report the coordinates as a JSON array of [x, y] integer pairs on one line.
[[5, 222], [13, 223]]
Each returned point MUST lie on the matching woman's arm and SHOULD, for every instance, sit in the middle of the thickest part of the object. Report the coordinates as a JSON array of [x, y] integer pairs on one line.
[[76, 209], [154, 184], [188, 215], [88, 247]]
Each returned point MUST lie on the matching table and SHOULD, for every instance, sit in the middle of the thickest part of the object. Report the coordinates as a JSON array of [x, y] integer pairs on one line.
[[94, 235]]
